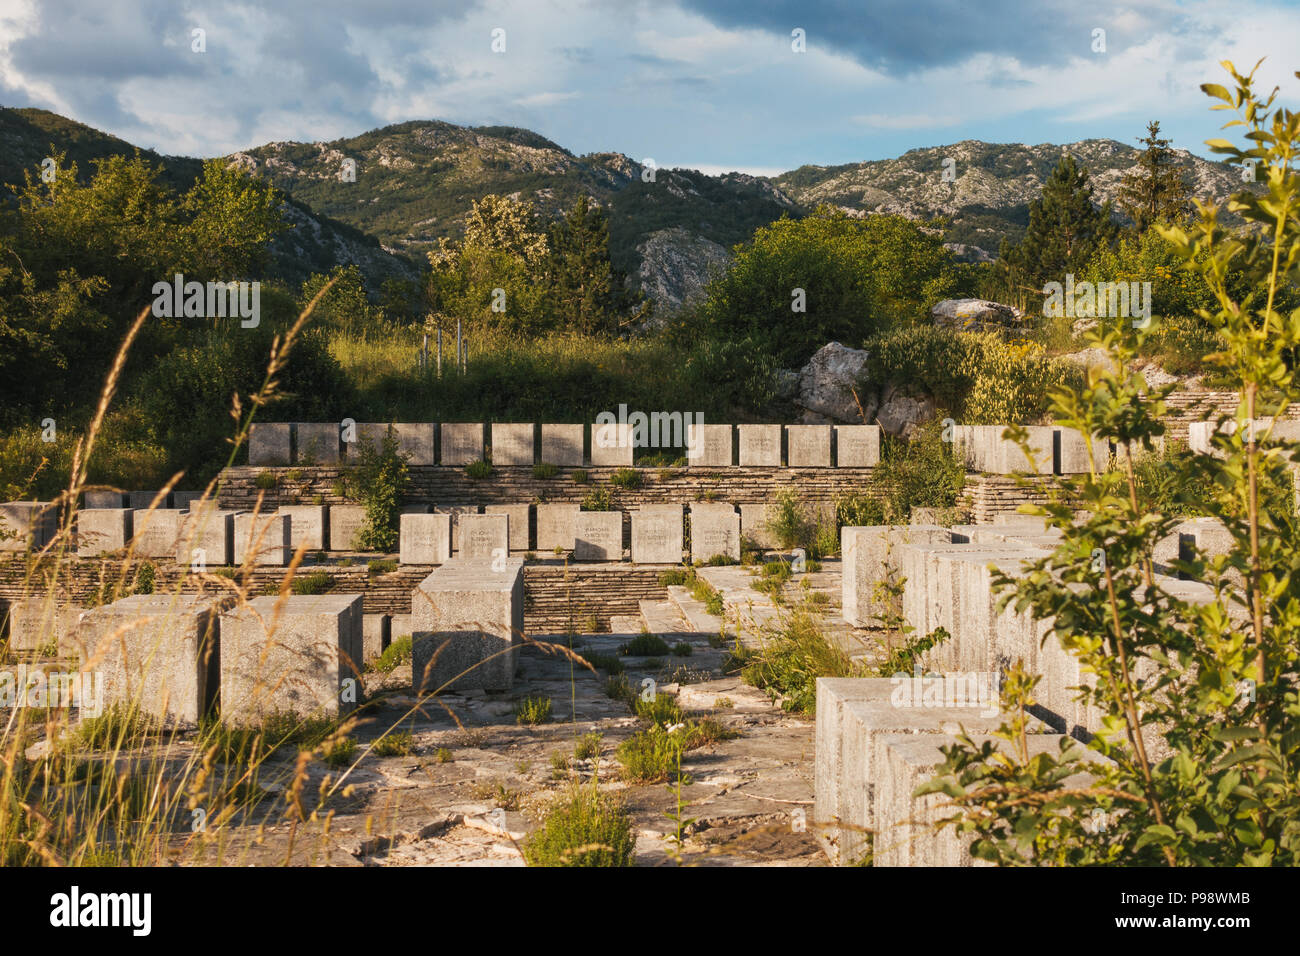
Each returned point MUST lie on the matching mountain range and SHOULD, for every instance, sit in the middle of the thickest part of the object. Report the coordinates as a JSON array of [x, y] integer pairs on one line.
[[415, 181]]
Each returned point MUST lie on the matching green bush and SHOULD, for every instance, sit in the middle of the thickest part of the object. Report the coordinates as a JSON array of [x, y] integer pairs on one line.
[[598, 499], [582, 828], [377, 483], [650, 756], [788, 666], [531, 710], [645, 645], [317, 582], [922, 473], [479, 469], [606, 662], [398, 652], [977, 378], [544, 471], [393, 745], [659, 709], [628, 478], [858, 276]]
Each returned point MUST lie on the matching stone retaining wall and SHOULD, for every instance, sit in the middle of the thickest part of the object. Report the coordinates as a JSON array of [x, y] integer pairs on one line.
[[443, 486], [556, 596]]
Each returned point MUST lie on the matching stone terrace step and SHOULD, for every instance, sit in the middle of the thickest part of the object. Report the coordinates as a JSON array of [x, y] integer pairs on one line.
[[664, 617], [699, 619], [751, 611]]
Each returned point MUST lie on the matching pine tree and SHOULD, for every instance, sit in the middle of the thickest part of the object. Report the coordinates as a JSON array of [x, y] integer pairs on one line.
[[585, 291], [1065, 229], [1154, 190]]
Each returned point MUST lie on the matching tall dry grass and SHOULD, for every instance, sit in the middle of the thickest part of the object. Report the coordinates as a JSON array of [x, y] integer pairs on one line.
[[129, 788]]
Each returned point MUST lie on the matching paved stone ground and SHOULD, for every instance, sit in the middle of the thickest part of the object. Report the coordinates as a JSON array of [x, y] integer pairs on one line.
[[470, 760], [436, 806]]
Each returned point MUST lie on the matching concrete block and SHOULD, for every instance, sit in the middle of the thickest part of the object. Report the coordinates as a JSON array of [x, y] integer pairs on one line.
[[157, 651], [1206, 537], [462, 443], [1071, 451], [557, 525], [364, 435], [851, 714], [923, 604], [41, 624], [305, 659], [598, 536], [144, 500], [375, 635], [424, 539], [262, 539], [102, 529], [457, 512], [753, 524], [986, 451], [27, 525], [484, 537], [467, 622], [857, 446], [562, 445], [984, 638], [157, 533], [906, 833], [611, 445], [207, 538], [808, 446], [760, 446], [415, 440], [714, 532], [102, 500], [513, 444], [318, 443], [709, 446], [869, 556], [657, 535], [183, 500], [307, 526], [518, 523], [270, 444], [345, 523]]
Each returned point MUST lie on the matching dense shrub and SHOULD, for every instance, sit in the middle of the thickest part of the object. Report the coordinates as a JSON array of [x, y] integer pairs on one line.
[[582, 828], [857, 276], [978, 378]]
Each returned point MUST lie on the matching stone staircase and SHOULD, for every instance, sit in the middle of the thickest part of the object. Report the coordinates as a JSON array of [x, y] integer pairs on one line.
[[748, 613]]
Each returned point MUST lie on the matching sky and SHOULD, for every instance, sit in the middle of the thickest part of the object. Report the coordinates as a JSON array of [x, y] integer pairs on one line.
[[759, 86]]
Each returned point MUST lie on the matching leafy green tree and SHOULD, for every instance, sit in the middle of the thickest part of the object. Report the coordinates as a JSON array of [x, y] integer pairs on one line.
[[1215, 681], [1065, 230], [378, 482], [494, 277], [586, 293], [187, 395], [345, 306], [801, 283], [233, 218], [1155, 190]]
